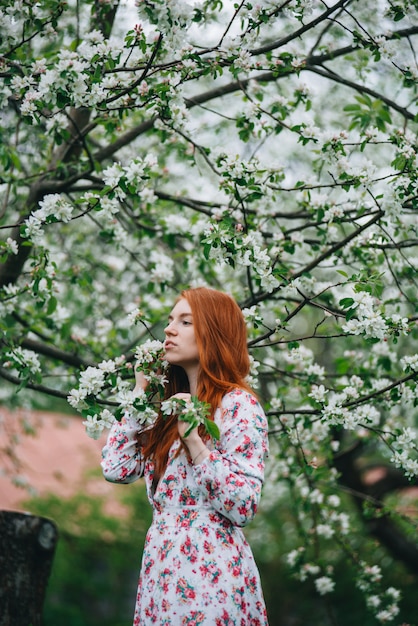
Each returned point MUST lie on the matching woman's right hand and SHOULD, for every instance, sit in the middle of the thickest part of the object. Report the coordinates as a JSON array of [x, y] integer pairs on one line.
[[141, 382]]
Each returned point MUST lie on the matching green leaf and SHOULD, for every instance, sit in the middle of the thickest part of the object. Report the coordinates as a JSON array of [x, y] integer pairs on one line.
[[346, 302], [212, 428], [52, 305]]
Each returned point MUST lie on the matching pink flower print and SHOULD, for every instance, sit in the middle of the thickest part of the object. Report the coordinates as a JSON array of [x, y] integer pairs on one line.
[[224, 620], [185, 519], [177, 563], [148, 565], [165, 549], [208, 547], [222, 596], [165, 606], [245, 447], [164, 580], [189, 550], [216, 519], [151, 611], [236, 482], [187, 498], [163, 583], [251, 584], [211, 571], [229, 505], [182, 471], [238, 598], [234, 567], [123, 473], [244, 508], [185, 590], [224, 537], [119, 441], [195, 618]]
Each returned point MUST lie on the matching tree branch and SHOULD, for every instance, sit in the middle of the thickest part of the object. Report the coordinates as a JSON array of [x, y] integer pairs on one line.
[[298, 33], [337, 78], [41, 388], [55, 353]]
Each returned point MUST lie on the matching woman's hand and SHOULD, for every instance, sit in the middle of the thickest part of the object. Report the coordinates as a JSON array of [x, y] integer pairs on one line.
[[141, 382], [196, 446], [184, 426]]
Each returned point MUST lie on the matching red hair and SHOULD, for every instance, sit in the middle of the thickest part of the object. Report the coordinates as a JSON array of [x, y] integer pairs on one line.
[[221, 338]]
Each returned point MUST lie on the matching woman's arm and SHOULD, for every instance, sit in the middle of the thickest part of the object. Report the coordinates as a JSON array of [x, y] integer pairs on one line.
[[232, 475], [121, 457]]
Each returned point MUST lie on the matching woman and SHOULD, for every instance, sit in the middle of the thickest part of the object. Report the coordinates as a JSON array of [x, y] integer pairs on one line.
[[197, 567]]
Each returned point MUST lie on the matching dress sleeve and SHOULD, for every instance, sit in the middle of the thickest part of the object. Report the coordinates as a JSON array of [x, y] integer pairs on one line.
[[233, 474], [121, 456]]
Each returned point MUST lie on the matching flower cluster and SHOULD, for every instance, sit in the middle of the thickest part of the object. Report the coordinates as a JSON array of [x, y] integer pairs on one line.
[[26, 361], [192, 411], [383, 602], [143, 404], [227, 244], [52, 208]]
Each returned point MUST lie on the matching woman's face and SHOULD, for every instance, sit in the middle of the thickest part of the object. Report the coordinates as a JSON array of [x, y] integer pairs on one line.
[[180, 341]]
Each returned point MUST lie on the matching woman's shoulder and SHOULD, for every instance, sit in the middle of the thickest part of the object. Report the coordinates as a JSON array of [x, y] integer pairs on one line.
[[241, 397], [241, 407]]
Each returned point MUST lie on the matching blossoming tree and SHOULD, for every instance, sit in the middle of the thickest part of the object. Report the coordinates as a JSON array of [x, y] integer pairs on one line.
[[265, 149]]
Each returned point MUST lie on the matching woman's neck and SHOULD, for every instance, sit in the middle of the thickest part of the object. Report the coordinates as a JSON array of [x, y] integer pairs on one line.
[[192, 376]]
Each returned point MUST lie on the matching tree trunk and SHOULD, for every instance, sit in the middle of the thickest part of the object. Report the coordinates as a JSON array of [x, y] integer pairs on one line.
[[27, 546]]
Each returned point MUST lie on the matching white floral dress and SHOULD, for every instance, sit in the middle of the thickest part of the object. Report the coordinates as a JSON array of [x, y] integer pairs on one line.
[[197, 567]]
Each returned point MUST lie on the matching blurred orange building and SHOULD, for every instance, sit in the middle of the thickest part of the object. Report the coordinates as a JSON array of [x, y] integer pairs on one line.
[[43, 453]]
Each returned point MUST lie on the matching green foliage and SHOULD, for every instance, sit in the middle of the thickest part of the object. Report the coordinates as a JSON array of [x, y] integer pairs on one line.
[[96, 566], [368, 113]]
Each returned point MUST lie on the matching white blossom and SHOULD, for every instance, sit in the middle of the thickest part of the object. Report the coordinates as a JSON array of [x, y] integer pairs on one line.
[[11, 246], [107, 366], [107, 418], [325, 530], [315, 370], [76, 398], [112, 175], [410, 362], [92, 380], [334, 500], [163, 266], [94, 426], [318, 393], [324, 585], [25, 359], [33, 229]]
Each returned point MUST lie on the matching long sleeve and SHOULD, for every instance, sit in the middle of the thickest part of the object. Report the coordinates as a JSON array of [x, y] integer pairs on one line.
[[233, 474], [121, 457]]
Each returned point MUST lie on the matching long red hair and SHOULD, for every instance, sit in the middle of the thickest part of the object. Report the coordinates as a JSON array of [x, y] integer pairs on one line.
[[221, 337]]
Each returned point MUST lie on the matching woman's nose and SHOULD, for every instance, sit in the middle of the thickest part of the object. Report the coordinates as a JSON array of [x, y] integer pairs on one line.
[[169, 329]]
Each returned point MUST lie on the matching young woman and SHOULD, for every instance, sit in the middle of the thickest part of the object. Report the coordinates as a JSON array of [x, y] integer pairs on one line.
[[197, 567]]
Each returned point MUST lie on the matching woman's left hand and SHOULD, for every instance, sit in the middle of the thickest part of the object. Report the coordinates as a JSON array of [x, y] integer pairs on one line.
[[183, 426]]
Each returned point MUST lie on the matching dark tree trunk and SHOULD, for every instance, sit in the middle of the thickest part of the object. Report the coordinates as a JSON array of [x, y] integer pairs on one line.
[[402, 547], [27, 546]]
